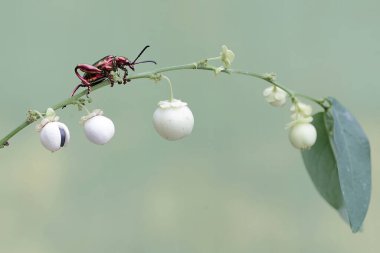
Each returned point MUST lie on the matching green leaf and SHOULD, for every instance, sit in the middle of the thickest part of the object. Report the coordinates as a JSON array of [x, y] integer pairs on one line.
[[352, 153], [321, 164], [339, 163]]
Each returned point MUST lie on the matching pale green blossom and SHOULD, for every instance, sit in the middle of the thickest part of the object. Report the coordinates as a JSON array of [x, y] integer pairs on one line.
[[275, 96], [227, 56]]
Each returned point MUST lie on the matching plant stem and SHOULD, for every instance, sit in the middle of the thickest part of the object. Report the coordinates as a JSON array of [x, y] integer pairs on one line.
[[265, 78], [151, 75], [4, 141], [171, 88], [319, 102]]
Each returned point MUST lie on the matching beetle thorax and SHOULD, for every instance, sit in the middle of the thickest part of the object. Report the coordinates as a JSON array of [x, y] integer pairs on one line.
[[122, 61]]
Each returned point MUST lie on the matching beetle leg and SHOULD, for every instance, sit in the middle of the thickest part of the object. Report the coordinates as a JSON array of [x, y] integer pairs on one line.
[[107, 69], [110, 78], [119, 81], [89, 88], [77, 87], [86, 68], [125, 80]]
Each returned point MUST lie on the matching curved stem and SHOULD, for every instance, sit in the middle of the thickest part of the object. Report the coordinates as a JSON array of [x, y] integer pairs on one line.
[[214, 58], [265, 78], [4, 141], [202, 65], [317, 101], [171, 87]]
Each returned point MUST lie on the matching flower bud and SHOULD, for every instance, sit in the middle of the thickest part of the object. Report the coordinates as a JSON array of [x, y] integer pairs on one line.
[[270, 76], [98, 128], [302, 135], [227, 56], [54, 135], [173, 120], [275, 96], [300, 110]]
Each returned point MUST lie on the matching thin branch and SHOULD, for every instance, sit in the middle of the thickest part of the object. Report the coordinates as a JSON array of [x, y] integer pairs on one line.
[[202, 65]]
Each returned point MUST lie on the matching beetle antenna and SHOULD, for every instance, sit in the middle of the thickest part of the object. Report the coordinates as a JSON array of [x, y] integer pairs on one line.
[[144, 62], [142, 51]]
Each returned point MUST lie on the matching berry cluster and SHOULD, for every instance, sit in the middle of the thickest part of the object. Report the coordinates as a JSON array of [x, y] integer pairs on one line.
[[173, 120], [302, 134]]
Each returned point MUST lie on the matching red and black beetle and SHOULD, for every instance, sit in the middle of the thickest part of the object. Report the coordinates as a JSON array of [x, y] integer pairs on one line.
[[101, 70]]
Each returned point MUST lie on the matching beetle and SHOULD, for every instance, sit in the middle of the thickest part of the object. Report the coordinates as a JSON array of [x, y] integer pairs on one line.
[[103, 68]]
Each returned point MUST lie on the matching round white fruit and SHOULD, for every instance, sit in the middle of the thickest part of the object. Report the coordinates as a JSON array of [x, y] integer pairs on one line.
[[173, 120], [99, 129], [302, 135], [54, 136]]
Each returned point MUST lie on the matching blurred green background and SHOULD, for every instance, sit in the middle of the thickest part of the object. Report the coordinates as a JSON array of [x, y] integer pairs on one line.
[[236, 184]]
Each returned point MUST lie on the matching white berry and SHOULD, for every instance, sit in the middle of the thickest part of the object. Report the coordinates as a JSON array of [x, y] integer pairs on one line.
[[173, 120], [99, 129], [302, 135], [54, 136]]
